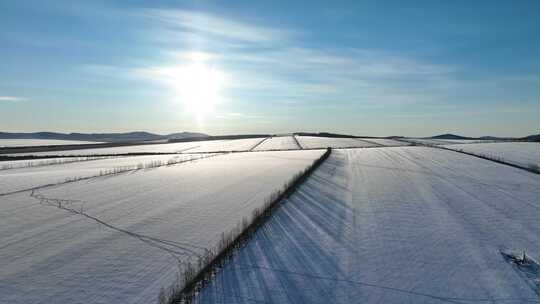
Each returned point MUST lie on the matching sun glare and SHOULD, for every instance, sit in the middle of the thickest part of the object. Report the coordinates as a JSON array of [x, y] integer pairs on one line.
[[198, 86]]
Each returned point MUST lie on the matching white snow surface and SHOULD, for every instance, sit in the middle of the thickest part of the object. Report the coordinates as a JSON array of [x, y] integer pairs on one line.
[[278, 143], [393, 225], [316, 142], [437, 141], [150, 219], [385, 142], [148, 148], [41, 142], [521, 153], [468, 141], [189, 147], [227, 145], [39, 162], [426, 141], [33, 177]]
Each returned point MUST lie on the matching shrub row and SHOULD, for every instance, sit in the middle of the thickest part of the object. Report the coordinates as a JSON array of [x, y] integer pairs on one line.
[[48, 162], [196, 275]]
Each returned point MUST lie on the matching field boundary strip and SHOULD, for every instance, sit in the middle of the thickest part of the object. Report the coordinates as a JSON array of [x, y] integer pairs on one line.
[[485, 157], [370, 142], [259, 143], [112, 171], [297, 142], [196, 276], [499, 161]]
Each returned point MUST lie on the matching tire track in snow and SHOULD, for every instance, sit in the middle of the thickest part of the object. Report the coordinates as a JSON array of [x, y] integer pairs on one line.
[[174, 248], [457, 300]]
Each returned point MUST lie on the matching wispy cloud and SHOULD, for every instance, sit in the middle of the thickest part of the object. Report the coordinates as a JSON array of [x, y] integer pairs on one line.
[[12, 98], [208, 24], [269, 65], [237, 115]]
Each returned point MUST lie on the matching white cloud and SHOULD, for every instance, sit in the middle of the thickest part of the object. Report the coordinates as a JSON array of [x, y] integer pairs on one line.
[[209, 24], [12, 98], [265, 64]]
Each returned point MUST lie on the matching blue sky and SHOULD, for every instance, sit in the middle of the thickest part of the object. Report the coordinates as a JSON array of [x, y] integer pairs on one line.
[[412, 68]]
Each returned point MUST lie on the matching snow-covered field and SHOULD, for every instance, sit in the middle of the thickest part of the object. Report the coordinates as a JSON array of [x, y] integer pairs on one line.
[[190, 147], [385, 142], [433, 141], [521, 153], [227, 145], [150, 148], [32, 177], [382, 225], [13, 164], [40, 142], [278, 143], [315, 142], [425, 141], [119, 239], [467, 141], [394, 225], [234, 145]]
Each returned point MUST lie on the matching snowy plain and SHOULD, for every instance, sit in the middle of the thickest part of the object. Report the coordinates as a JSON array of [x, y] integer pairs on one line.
[[39, 162], [121, 238], [437, 141], [385, 142], [148, 148], [19, 179], [278, 143], [41, 142], [316, 142], [521, 153], [468, 141], [232, 145], [393, 225], [227, 145]]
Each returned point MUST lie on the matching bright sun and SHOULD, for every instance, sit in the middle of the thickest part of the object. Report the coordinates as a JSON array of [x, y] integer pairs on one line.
[[199, 87]]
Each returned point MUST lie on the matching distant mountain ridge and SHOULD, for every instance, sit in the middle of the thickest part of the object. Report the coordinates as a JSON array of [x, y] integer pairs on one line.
[[535, 137], [183, 136], [102, 137], [454, 136], [449, 136]]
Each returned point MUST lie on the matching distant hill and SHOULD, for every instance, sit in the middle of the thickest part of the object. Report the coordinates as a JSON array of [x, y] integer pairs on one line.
[[327, 134], [183, 136], [453, 136], [532, 138], [101, 137], [449, 136]]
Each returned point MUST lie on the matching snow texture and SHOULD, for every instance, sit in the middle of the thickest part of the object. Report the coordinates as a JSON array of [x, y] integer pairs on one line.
[[385, 142], [14, 164], [227, 145], [148, 148], [27, 178], [520, 153], [278, 143], [437, 141], [40, 142], [393, 225], [120, 239], [468, 141], [315, 142]]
